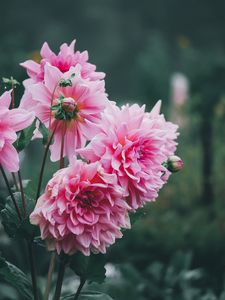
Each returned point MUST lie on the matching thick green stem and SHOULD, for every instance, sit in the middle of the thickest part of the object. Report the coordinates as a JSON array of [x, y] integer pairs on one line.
[[10, 192], [33, 269], [15, 182], [61, 272], [62, 145], [22, 194], [82, 283], [50, 273], [13, 94], [43, 164]]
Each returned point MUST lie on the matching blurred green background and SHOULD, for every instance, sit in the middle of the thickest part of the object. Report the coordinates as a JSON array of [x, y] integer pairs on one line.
[[170, 50]]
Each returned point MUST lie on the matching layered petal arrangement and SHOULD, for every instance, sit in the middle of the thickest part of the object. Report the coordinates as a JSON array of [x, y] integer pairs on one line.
[[70, 106], [134, 145], [126, 151], [118, 158], [64, 60], [11, 121], [82, 209], [67, 95]]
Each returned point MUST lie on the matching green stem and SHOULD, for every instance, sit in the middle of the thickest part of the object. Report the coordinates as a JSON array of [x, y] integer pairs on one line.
[[82, 283], [22, 194], [13, 94], [43, 164], [50, 273], [15, 182], [10, 192], [62, 146], [33, 269], [61, 272]]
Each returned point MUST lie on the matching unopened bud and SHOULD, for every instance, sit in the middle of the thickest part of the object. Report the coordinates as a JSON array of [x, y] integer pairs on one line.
[[68, 104], [174, 163]]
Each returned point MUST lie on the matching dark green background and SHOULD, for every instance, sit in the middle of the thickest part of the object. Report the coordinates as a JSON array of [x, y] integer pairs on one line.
[[176, 248]]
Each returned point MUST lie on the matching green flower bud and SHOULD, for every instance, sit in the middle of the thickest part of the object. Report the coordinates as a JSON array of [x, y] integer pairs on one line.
[[174, 163]]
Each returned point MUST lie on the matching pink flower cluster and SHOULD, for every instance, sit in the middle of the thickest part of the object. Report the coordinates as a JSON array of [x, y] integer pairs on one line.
[[124, 150]]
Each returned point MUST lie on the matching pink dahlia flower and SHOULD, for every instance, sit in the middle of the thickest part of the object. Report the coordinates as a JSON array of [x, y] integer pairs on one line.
[[133, 145], [82, 209], [11, 121], [70, 105], [64, 60]]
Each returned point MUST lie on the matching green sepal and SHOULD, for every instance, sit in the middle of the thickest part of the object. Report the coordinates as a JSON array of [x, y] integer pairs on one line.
[[65, 82], [10, 82]]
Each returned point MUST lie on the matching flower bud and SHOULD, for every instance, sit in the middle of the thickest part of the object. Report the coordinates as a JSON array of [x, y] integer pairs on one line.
[[174, 163], [68, 104]]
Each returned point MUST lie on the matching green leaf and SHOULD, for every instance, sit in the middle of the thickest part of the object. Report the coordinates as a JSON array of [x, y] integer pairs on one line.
[[11, 274], [90, 295], [91, 268], [44, 131], [10, 220], [25, 137]]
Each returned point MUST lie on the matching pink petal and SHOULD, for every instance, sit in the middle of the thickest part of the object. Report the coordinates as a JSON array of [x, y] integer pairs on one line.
[[5, 99], [46, 52], [9, 158]]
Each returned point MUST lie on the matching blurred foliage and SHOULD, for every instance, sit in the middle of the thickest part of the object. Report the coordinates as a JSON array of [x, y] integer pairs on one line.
[[176, 248]]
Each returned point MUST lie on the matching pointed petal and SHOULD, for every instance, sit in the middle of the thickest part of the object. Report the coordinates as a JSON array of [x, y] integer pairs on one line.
[[5, 99], [46, 52], [9, 158]]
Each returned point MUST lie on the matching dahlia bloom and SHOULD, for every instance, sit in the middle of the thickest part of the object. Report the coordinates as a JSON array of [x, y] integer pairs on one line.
[[82, 209], [133, 145], [70, 105], [64, 60], [11, 121]]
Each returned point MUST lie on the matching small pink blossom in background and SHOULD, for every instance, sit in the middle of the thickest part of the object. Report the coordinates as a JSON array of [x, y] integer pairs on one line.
[[180, 87], [82, 209], [11, 121], [64, 60], [87, 97], [133, 145]]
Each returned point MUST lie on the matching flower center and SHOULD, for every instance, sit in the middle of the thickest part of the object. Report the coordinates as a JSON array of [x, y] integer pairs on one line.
[[85, 199], [65, 108]]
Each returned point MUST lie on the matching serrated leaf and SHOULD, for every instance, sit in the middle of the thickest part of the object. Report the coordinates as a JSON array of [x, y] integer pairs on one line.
[[11, 222], [91, 268], [25, 137], [14, 276], [44, 131], [91, 295]]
